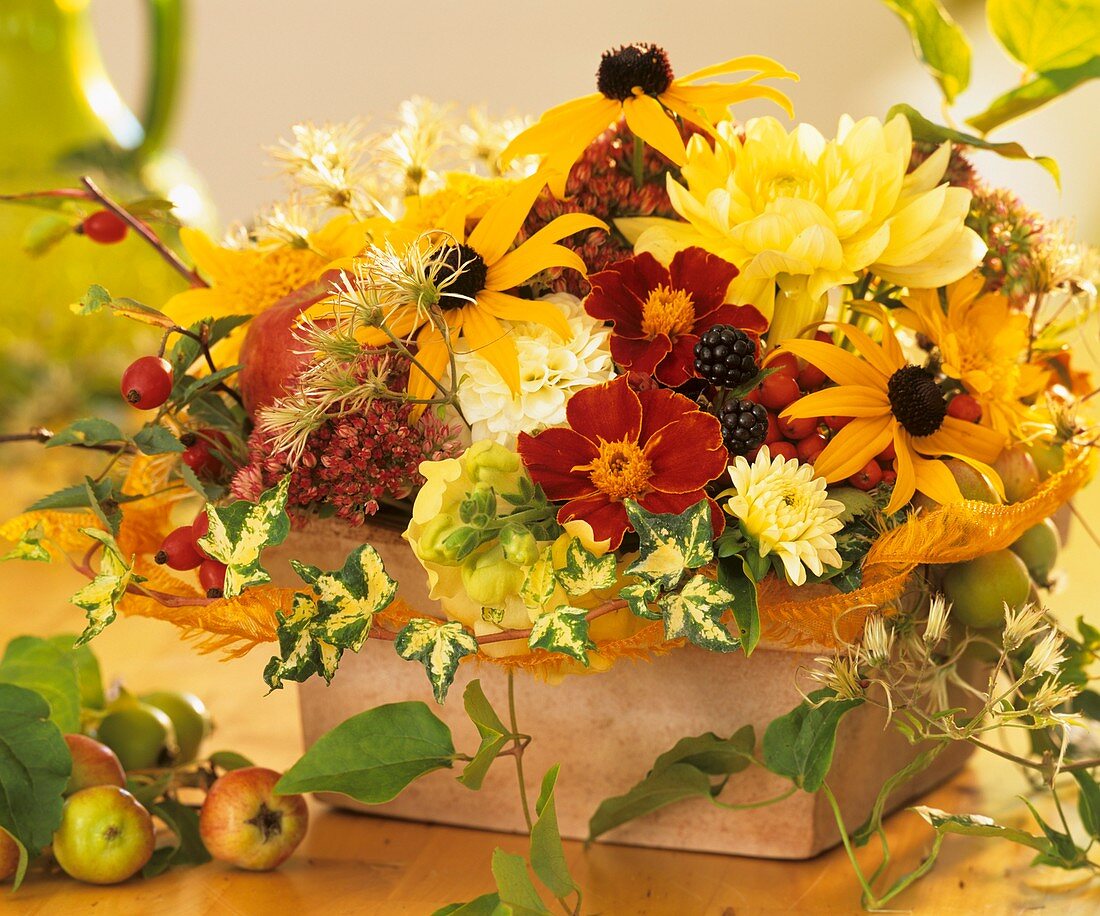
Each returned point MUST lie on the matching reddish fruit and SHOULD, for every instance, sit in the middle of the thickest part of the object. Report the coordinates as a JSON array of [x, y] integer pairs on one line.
[[105, 836], [888, 454], [750, 455], [779, 390], [200, 452], [178, 550], [753, 396], [199, 528], [835, 423], [786, 449], [810, 378], [9, 856], [147, 382], [94, 764], [824, 337], [774, 433], [105, 227], [784, 364], [810, 447], [889, 476], [212, 578], [868, 478], [964, 407], [798, 429]]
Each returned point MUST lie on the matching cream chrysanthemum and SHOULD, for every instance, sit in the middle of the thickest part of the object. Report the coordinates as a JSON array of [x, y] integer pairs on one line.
[[551, 370], [785, 510]]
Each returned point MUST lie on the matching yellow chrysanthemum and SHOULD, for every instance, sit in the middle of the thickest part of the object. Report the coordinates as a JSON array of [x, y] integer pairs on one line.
[[798, 212], [982, 342], [249, 281], [636, 82], [891, 402], [473, 193]]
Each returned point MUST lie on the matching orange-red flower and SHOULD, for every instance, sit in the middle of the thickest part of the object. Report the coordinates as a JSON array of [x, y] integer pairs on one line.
[[655, 447], [659, 312]]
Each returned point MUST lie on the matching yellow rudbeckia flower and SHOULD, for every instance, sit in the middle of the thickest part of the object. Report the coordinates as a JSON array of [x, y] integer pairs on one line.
[[250, 281], [982, 342], [891, 401], [636, 82], [800, 215]]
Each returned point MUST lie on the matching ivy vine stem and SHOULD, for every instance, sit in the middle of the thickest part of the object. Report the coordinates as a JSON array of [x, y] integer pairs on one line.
[[518, 749]]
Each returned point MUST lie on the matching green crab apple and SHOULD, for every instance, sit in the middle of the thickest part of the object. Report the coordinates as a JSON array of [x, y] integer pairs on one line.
[[972, 485], [243, 822], [141, 735], [94, 764], [190, 720], [979, 589], [1038, 548], [105, 836], [1018, 472]]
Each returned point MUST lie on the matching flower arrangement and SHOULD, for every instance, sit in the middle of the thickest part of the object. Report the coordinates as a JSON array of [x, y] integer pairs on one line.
[[635, 374]]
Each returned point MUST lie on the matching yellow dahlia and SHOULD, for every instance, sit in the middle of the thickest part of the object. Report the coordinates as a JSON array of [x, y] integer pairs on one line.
[[982, 342], [892, 402], [785, 511], [636, 82], [800, 215]]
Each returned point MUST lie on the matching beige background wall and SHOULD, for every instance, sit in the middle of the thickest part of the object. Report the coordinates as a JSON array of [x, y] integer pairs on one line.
[[256, 66]]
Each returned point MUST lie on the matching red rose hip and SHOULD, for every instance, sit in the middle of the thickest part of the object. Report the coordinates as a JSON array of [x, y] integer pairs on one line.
[[778, 391], [810, 447], [784, 449], [798, 429], [147, 382], [783, 364], [212, 578], [868, 478], [178, 550], [104, 227], [964, 407]]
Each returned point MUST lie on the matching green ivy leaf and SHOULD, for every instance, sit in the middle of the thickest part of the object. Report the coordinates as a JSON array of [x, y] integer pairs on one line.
[[515, 886], [547, 852], [800, 744], [938, 42], [539, 583], [1046, 34], [1035, 93], [374, 755], [584, 572], [639, 596], [695, 612], [99, 598], [855, 502], [671, 543], [494, 734], [439, 647], [29, 547], [41, 666], [303, 651], [157, 440], [89, 431], [735, 575], [35, 764], [239, 533], [563, 630], [189, 848]]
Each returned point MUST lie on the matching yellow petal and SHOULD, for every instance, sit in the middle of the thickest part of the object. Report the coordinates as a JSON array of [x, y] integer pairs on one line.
[[210, 259], [195, 304], [432, 355], [957, 437], [485, 335], [766, 65], [562, 226], [853, 446], [498, 228], [524, 262], [647, 119], [716, 98], [936, 481], [842, 401], [886, 358], [842, 367], [512, 308], [906, 484]]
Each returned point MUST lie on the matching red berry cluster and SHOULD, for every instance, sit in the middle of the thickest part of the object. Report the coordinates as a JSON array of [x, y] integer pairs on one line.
[[180, 550]]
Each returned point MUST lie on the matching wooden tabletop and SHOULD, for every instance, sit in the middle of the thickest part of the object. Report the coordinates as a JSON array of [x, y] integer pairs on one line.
[[358, 864]]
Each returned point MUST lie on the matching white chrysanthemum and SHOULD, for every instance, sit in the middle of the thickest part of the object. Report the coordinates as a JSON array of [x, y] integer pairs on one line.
[[551, 370], [786, 511]]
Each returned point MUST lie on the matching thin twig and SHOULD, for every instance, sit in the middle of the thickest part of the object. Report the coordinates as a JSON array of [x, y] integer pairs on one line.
[[42, 435]]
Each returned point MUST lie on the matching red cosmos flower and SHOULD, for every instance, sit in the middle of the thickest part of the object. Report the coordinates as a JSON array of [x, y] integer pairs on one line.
[[655, 447], [660, 312]]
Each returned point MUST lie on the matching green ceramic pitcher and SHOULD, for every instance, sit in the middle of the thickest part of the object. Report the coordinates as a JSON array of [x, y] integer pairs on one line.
[[61, 117]]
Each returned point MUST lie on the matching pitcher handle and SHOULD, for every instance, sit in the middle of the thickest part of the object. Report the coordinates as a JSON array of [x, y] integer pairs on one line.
[[166, 29]]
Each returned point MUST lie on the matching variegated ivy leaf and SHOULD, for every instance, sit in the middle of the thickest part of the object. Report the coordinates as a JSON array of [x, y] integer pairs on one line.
[[639, 596], [29, 547], [303, 648], [696, 612], [564, 630], [239, 533], [99, 598], [348, 598], [439, 647], [540, 582], [671, 543], [584, 572]]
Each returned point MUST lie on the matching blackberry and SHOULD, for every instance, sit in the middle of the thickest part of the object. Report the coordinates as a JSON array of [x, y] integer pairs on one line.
[[726, 356], [744, 425]]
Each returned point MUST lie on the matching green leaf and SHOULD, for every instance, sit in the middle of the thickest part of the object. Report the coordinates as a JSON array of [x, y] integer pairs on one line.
[[671, 543], [239, 533], [485, 905], [563, 630], [494, 734], [189, 848], [439, 647], [303, 652], [97, 299], [514, 884], [539, 583], [923, 129], [584, 572], [735, 576], [107, 510], [29, 547], [1088, 803], [938, 42], [89, 678], [41, 666], [186, 350], [639, 596], [89, 431], [978, 825], [99, 598], [77, 497], [374, 755], [695, 612], [157, 440], [1063, 852], [229, 760], [712, 755], [670, 785], [94, 300], [1046, 34], [800, 744], [547, 852], [45, 231], [1035, 93], [855, 502], [147, 788], [35, 764]]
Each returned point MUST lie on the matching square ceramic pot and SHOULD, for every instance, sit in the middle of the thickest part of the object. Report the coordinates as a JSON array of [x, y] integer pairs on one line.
[[606, 730]]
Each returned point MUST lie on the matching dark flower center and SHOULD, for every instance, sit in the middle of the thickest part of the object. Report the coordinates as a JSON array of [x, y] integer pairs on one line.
[[916, 400], [643, 65], [466, 270]]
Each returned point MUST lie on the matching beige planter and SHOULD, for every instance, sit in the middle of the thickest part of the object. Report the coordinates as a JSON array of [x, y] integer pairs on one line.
[[606, 730]]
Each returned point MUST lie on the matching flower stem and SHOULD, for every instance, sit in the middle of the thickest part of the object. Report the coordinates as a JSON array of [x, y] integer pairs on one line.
[[637, 160], [518, 749]]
